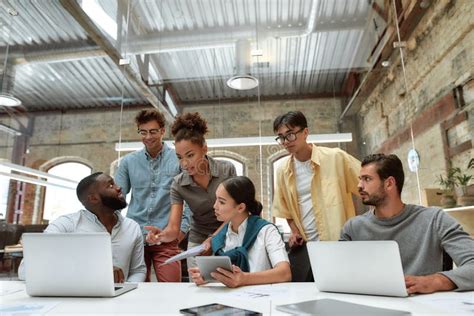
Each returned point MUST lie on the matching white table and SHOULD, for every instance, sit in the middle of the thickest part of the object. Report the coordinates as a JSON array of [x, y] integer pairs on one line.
[[169, 298]]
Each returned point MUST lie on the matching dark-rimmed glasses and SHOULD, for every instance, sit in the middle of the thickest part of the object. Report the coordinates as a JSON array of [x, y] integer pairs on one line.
[[290, 137], [152, 132]]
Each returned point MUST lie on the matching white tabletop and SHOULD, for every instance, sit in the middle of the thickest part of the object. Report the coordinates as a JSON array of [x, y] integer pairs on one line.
[[169, 298]]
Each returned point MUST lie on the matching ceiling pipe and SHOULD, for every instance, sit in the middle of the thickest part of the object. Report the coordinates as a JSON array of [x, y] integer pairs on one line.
[[312, 18], [54, 54], [59, 55], [165, 42]]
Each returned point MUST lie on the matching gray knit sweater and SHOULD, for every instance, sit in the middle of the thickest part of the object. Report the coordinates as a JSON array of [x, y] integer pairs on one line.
[[422, 234]]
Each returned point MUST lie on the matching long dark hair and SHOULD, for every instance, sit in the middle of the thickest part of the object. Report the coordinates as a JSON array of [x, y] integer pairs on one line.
[[242, 190]]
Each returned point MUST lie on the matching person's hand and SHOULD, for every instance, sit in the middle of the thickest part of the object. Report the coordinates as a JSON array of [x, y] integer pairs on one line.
[[118, 275], [195, 275], [207, 247], [428, 283], [295, 239], [232, 279], [153, 236]]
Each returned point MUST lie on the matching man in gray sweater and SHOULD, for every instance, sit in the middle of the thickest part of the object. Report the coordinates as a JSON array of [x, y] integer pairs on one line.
[[421, 233]]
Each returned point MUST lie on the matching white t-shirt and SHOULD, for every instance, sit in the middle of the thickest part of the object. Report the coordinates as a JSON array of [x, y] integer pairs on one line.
[[267, 250], [304, 175]]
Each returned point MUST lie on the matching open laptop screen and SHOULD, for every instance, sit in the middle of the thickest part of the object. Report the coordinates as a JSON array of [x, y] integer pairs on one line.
[[73, 264], [361, 267]]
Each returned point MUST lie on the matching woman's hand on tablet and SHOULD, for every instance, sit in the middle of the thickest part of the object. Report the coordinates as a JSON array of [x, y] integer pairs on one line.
[[232, 279], [195, 275]]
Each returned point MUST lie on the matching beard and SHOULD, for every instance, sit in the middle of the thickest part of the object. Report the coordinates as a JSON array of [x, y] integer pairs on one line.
[[113, 202], [375, 199]]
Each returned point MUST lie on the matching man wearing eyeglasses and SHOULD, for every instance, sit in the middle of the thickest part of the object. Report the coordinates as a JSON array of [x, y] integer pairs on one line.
[[148, 173], [313, 191]]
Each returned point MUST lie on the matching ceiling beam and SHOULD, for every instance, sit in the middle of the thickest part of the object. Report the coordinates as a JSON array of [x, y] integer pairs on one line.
[[96, 35], [407, 19]]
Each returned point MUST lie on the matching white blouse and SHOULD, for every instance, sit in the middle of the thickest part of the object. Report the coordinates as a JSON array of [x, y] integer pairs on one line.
[[267, 250]]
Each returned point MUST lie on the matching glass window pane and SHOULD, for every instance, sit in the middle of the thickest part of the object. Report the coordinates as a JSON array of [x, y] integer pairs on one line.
[[59, 201], [239, 167], [4, 185], [281, 223]]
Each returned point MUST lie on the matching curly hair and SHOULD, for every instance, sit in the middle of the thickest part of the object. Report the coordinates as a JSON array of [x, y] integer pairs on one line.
[[189, 126], [145, 116]]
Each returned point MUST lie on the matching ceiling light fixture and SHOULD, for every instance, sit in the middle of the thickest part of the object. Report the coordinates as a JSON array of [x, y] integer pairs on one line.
[[9, 130], [9, 100], [242, 80], [26, 179], [35, 176]]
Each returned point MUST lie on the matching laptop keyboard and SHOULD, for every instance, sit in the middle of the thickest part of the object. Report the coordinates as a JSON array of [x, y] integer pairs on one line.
[[116, 288]]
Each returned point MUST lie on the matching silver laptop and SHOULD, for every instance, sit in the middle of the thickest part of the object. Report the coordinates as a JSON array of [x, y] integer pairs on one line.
[[361, 267], [70, 265]]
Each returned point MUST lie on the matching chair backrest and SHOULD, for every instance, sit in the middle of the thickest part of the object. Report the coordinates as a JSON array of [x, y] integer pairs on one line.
[[447, 262], [35, 228], [13, 234]]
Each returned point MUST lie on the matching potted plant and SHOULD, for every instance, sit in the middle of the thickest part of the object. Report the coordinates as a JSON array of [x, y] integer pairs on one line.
[[447, 185], [461, 183]]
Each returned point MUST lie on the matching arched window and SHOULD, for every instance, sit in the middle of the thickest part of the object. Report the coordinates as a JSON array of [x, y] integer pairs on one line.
[[281, 223], [239, 167], [59, 201]]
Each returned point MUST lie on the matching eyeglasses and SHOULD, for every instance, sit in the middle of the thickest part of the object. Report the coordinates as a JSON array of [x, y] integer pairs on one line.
[[290, 137], [152, 132]]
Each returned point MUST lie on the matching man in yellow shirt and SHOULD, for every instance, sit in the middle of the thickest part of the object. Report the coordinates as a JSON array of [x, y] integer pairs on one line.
[[314, 187]]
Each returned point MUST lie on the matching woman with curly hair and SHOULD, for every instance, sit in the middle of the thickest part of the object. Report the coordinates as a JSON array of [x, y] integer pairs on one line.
[[196, 185]]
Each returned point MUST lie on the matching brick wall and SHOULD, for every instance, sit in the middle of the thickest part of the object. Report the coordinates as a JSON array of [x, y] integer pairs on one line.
[[440, 59]]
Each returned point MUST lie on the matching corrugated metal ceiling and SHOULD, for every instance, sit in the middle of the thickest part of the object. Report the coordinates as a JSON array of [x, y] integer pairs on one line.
[[307, 48]]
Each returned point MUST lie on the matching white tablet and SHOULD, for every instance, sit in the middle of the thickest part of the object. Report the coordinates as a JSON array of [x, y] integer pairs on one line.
[[208, 264]]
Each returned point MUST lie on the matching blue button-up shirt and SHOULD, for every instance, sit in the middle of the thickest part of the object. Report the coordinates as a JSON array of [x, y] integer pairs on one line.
[[150, 179]]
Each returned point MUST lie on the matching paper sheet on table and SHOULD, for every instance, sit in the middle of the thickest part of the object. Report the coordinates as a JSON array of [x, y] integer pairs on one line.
[[186, 254], [27, 308], [12, 289], [259, 292], [458, 303]]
